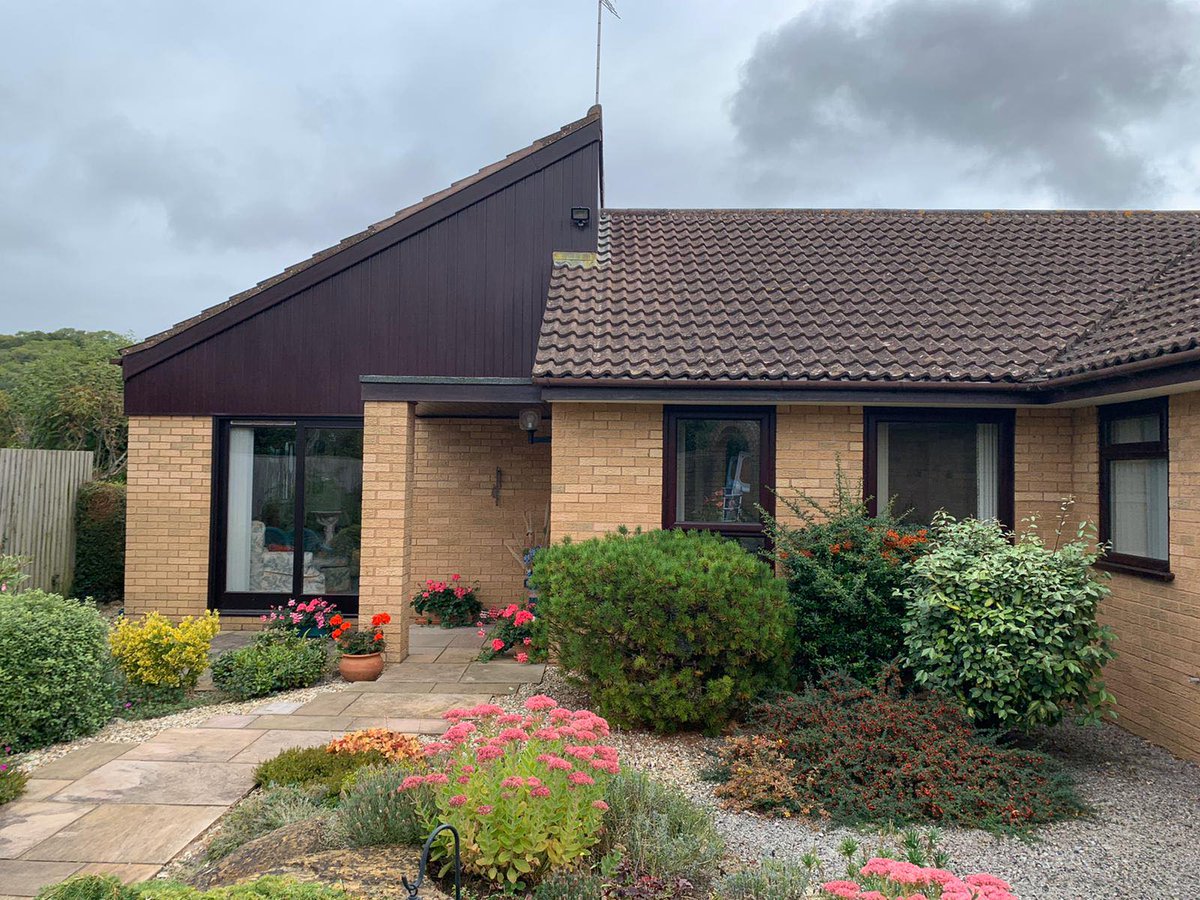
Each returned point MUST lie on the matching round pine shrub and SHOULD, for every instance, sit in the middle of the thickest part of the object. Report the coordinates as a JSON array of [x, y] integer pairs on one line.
[[55, 668], [276, 661], [100, 541], [666, 629]]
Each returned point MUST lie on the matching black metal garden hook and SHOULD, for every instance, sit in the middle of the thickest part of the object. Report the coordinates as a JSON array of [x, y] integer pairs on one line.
[[414, 888]]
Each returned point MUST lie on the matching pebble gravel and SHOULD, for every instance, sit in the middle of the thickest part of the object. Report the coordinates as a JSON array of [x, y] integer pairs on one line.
[[1142, 840]]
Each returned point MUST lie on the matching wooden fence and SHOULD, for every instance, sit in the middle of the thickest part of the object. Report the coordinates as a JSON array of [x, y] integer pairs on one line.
[[38, 489]]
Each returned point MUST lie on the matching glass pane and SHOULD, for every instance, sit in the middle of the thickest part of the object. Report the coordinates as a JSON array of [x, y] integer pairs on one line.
[[1134, 429], [717, 470], [1138, 507], [927, 466], [260, 506], [332, 509]]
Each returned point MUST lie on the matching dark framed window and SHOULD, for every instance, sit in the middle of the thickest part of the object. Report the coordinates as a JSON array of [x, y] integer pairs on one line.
[[718, 468], [287, 513], [923, 460], [1134, 514]]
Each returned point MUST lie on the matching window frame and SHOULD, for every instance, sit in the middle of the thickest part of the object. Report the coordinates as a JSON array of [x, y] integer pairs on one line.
[[246, 603], [672, 416], [1004, 418], [1109, 453]]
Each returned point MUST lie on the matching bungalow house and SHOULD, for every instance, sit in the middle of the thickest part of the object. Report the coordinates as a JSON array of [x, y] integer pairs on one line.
[[508, 354]]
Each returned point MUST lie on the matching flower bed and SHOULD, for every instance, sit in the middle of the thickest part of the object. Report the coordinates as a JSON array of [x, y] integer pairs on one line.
[[892, 879]]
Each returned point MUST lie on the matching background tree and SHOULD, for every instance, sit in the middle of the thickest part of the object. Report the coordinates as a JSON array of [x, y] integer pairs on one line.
[[60, 391]]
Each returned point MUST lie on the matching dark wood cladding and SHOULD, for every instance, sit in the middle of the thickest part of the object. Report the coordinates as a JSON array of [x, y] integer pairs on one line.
[[462, 296]]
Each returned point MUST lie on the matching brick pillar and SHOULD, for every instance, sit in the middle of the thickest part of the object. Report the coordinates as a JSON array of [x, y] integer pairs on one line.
[[386, 513]]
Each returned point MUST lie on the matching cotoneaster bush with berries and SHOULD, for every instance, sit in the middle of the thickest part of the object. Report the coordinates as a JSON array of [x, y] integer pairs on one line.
[[453, 602], [666, 629], [1007, 626], [843, 568], [859, 755]]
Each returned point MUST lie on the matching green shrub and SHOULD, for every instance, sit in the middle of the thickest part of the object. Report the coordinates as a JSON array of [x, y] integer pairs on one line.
[[373, 813], [870, 755], [667, 629], [1007, 626], [262, 813], [107, 887], [12, 573], [12, 780], [843, 568], [276, 661], [659, 832], [56, 670], [156, 652], [313, 767], [773, 880], [570, 885], [100, 541]]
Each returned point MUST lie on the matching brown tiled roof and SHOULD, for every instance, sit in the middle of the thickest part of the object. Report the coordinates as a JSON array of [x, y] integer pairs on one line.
[[877, 295], [593, 115]]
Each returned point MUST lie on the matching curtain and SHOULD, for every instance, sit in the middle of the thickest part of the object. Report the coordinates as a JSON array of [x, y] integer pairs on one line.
[[1138, 491], [987, 471], [882, 486]]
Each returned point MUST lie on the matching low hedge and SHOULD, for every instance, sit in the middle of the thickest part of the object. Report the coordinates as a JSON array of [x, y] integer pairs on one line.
[[100, 541], [276, 661], [667, 629], [109, 887], [55, 668]]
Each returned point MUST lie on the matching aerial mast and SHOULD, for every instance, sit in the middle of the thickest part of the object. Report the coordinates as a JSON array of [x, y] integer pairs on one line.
[[601, 6]]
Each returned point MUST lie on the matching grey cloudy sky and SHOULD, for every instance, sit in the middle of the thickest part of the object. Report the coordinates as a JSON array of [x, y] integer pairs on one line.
[[159, 155]]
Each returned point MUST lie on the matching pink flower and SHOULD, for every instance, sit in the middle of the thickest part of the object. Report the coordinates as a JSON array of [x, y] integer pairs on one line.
[[455, 577], [847, 889], [559, 715], [521, 617], [484, 710], [490, 752], [291, 603], [877, 865], [484, 810], [533, 781], [871, 895], [412, 781], [540, 792], [458, 800], [984, 880], [600, 805], [908, 874], [437, 778], [510, 719], [527, 641], [464, 779], [512, 734], [513, 781], [522, 658], [539, 702], [580, 778]]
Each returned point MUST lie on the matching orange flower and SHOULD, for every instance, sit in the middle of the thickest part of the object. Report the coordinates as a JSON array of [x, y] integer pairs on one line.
[[378, 636], [336, 620]]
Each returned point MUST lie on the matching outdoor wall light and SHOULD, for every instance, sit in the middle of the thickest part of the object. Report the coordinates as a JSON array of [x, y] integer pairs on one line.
[[581, 215], [529, 420]]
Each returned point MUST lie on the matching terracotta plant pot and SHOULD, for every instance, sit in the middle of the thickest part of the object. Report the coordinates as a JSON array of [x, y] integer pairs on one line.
[[360, 667]]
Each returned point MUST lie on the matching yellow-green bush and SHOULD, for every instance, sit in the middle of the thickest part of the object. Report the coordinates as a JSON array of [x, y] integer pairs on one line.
[[154, 652]]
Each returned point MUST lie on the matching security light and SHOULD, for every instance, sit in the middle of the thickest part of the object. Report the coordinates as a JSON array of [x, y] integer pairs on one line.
[[581, 215]]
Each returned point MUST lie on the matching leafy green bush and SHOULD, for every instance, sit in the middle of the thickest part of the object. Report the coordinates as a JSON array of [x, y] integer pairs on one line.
[[871, 755], [843, 567], [570, 885], [12, 573], [56, 670], [659, 832], [276, 661], [100, 541], [313, 768], [667, 629], [262, 813], [12, 782], [1007, 626], [773, 880], [107, 887], [374, 813]]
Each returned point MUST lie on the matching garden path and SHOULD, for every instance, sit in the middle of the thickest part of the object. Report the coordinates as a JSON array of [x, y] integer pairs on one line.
[[128, 809]]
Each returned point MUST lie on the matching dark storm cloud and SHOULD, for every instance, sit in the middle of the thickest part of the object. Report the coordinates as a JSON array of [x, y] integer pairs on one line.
[[1047, 93]]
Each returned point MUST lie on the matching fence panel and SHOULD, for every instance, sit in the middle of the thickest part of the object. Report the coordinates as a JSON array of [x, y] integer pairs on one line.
[[38, 489]]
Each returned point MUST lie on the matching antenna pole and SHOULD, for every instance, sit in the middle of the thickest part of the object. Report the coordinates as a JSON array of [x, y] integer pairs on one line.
[[599, 25]]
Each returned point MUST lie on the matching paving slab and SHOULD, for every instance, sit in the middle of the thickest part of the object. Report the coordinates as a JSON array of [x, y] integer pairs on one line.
[[430, 637], [136, 781], [278, 708], [301, 723], [407, 671], [421, 655], [126, 873], [326, 704], [503, 670], [195, 744], [406, 726], [79, 762], [272, 743], [459, 654], [26, 823], [411, 706], [468, 642], [141, 834], [391, 687], [231, 721], [492, 689], [41, 788], [24, 878]]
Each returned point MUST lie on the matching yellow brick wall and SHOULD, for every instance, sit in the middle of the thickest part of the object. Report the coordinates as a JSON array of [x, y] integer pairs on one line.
[[167, 515], [457, 525], [385, 568], [606, 468], [810, 441], [1044, 466]]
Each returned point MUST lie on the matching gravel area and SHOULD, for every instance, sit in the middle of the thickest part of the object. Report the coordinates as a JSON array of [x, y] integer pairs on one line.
[[1143, 841], [121, 730]]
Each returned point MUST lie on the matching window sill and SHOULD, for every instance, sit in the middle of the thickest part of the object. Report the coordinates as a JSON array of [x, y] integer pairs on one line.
[[1139, 571]]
